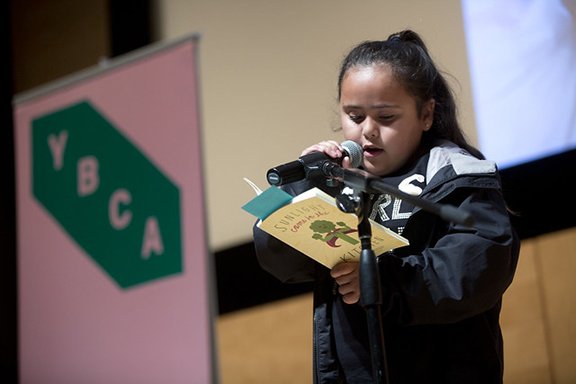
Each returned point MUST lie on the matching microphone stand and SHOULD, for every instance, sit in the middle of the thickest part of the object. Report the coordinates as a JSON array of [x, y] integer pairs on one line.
[[370, 294], [364, 183]]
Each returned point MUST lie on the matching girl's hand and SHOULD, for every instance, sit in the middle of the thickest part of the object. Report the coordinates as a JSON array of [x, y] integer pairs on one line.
[[347, 276], [331, 148]]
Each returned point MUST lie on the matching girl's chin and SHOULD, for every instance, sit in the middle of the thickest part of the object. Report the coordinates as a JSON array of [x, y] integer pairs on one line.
[[372, 169]]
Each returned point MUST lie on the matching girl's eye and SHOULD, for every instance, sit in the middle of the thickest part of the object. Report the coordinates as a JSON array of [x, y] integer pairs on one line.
[[356, 118], [386, 117]]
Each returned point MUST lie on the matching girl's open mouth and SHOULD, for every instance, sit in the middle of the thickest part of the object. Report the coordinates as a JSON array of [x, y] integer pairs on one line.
[[372, 151]]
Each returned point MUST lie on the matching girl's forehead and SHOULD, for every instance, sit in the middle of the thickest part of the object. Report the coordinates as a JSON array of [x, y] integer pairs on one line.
[[376, 80], [369, 73]]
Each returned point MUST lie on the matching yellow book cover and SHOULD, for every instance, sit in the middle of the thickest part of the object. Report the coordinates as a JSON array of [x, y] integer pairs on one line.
[[314, 225]]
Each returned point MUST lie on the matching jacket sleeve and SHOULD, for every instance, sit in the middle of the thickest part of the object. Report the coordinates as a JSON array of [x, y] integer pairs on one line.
[[282, 261], [451, 272]]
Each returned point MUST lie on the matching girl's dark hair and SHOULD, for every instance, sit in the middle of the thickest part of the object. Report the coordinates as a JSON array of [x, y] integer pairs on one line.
[[405, 53]]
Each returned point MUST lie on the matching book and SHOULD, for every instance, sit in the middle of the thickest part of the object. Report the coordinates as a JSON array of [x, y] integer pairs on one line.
[[313, 224]]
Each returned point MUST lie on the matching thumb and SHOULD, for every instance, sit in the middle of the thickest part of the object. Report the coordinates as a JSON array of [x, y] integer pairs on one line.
[[346, 162]]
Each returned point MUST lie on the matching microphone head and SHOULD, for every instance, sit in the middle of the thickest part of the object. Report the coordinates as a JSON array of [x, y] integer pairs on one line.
[[354, 152]]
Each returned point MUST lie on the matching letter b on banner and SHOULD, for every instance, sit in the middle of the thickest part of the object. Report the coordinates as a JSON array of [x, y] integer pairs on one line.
[[107, 195]]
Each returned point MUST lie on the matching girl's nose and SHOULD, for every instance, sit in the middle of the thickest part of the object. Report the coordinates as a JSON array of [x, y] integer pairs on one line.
[[370, 128]]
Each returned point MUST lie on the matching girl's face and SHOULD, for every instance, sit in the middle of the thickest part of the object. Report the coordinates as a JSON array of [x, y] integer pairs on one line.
[[379, 114]]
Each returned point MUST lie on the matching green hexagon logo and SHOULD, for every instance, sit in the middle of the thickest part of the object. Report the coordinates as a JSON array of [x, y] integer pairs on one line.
[[107, 195]]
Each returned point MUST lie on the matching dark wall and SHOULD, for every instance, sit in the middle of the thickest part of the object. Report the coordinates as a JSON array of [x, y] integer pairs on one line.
[[55, 38], [540, 193], [8, 297]]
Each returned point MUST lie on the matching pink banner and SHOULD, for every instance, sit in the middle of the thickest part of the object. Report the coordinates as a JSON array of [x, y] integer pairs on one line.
[[115, 283]]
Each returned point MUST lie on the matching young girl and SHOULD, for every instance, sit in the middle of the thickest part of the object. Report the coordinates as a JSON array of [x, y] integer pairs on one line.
[[442, 293]]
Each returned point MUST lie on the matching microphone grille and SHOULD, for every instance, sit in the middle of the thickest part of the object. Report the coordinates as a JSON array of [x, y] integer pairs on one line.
[[354, 152]]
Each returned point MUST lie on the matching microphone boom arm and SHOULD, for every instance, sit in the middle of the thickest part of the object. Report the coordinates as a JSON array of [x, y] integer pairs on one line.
[[366, 182]]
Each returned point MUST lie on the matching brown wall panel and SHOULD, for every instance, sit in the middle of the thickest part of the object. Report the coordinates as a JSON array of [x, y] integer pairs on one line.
[[271, 343], [556, 256], [522, 320]]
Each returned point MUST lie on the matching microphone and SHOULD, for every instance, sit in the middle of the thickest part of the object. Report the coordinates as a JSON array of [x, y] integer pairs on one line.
[[313, 163]]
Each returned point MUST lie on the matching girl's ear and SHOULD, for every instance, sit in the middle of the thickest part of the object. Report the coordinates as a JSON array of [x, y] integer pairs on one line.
[[428, 113]]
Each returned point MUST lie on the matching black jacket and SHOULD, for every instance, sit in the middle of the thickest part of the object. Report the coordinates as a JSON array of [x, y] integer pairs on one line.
[[441, 294]]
